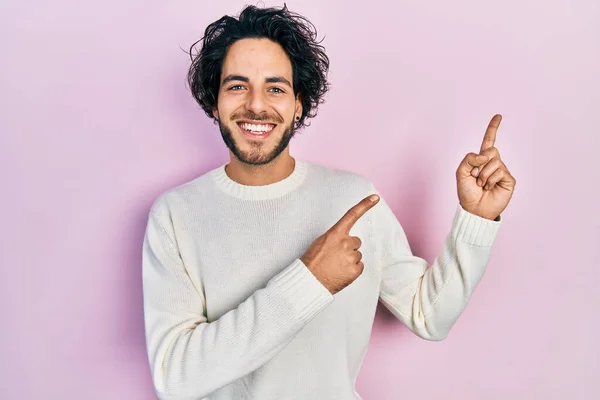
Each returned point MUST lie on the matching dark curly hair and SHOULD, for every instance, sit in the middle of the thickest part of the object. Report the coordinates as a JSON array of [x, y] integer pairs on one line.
[[293, 32]]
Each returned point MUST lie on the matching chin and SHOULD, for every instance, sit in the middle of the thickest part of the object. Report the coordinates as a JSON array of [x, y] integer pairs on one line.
[[256, 155], [256, 151]]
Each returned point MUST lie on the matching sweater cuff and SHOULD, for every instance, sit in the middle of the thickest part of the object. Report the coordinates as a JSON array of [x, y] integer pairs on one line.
[[473, 229], [302, 289]]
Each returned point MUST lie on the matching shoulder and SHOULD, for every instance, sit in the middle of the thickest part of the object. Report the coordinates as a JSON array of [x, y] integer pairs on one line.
[[184, 196], [345, 180], [339, 189]]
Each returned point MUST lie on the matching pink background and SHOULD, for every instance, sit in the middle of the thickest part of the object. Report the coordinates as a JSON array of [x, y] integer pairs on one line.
[[96, 121]]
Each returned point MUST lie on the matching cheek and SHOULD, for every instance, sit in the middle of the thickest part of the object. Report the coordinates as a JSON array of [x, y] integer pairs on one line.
[[286, 110], [227, 105]]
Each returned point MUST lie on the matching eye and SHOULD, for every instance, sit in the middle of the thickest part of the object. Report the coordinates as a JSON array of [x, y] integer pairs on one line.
[[236, 87], [277, 90]]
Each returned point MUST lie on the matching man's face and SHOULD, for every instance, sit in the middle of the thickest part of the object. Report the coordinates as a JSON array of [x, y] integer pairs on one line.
[[256, 104]]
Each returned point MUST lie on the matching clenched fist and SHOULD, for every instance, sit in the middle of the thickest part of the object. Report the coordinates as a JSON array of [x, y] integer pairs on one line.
[[334, 257]]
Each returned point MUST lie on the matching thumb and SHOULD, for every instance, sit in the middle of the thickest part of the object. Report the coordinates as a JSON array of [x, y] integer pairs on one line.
[[471, 161]]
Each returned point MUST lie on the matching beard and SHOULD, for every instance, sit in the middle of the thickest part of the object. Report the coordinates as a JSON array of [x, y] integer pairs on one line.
[[257, 155]]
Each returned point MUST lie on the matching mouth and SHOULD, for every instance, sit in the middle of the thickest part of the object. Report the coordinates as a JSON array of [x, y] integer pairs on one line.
[[256, 129]]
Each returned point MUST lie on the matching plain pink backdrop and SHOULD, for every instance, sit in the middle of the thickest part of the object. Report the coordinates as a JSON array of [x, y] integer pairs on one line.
[[96, 121]]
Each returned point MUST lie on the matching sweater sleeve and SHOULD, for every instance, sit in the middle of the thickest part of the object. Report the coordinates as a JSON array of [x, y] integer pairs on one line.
[[191, 357], [429, 299]]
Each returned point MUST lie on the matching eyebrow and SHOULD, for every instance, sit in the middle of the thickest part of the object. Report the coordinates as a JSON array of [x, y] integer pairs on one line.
[[271, 79]]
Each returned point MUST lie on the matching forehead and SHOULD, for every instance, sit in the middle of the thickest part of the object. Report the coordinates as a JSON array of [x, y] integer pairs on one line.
[[256, 59]]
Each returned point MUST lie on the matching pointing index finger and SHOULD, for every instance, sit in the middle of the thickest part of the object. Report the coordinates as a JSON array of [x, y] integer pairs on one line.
[[346, 223], [490, 133]]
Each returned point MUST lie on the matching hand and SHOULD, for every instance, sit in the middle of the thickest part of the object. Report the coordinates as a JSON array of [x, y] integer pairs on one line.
[[334, 257], [484, 184]]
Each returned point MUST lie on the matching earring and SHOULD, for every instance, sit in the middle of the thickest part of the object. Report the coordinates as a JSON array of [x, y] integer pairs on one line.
[[297, 118]]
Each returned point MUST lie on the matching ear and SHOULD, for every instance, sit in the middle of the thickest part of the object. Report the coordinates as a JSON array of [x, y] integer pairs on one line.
[[298, 110], [216, 113]]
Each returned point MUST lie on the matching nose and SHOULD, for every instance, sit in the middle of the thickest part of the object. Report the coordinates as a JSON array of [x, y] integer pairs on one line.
[[257, 102]]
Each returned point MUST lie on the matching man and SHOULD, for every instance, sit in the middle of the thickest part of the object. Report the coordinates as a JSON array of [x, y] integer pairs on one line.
[[262, 277]]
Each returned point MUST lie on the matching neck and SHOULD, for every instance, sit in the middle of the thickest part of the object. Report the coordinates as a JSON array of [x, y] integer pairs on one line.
[[260, 175]]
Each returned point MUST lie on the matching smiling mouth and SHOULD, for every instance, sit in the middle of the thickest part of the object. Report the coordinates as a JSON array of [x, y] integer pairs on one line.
[[255, 128]]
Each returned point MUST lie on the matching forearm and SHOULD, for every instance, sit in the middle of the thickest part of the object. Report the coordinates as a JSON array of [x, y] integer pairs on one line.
[[428, 299], [190, 358]]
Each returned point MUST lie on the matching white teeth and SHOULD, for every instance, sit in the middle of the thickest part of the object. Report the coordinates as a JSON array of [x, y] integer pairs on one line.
[[256, 128]]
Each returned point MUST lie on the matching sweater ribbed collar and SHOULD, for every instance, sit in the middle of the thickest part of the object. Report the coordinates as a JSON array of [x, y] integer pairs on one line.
[[264, 192]]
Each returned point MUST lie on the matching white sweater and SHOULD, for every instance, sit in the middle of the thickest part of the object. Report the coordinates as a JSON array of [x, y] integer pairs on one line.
[[232, 313]]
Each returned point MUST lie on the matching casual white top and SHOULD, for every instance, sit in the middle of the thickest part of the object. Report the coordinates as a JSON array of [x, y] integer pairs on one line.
[[231, 312]]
